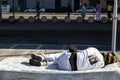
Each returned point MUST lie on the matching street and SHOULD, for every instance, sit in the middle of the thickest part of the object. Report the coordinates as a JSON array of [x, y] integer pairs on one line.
[[59, 35], [58, 40]]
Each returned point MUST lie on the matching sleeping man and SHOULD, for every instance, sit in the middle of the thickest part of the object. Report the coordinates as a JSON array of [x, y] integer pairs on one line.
[[71, 60]]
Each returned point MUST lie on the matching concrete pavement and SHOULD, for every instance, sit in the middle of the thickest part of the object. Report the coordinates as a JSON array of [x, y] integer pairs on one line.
[[18, 68]]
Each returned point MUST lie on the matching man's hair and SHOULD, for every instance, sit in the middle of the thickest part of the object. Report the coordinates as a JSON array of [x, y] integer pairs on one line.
[[72, 49]]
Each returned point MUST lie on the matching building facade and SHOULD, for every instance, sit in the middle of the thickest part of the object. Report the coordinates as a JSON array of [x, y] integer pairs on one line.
[[48, 4], [103, 2], [56, 4]]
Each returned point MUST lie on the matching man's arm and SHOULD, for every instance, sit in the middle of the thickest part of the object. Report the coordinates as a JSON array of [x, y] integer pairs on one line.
[[93, 59]]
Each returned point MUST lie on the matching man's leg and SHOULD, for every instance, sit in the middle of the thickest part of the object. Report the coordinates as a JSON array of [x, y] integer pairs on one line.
[[38, 15], [37, 63], [48, 58], [39, 57], [38, 60], [99, 16], [96, 16], [52, 58], [109, 15], [35, 16]]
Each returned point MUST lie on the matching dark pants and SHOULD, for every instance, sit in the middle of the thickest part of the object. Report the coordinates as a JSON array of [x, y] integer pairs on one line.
[[109, 14], [68, 14], [37, 15]]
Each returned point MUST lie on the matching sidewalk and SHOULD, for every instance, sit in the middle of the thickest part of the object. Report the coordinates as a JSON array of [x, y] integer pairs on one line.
[[59, 25], [50, 15]]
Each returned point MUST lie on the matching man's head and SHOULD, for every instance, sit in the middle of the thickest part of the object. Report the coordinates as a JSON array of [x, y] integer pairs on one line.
[[72, 49]]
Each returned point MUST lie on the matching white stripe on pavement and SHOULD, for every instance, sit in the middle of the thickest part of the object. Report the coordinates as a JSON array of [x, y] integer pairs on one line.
[[39, 46], [63, 47], [12, 47]]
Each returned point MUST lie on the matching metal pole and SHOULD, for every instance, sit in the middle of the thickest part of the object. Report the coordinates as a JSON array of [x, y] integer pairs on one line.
[[0, 9], [114, 27], [13, 8]]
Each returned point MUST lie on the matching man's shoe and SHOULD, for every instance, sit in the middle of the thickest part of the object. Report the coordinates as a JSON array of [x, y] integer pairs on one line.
[[37, 63], [39, 58], [34, 62]]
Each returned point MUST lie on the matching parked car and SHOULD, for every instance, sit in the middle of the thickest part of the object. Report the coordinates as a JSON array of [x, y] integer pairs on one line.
[[42, 9], [61, 10], [89, 9]]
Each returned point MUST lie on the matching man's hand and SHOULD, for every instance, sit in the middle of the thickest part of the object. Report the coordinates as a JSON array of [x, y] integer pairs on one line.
[[93, 59]]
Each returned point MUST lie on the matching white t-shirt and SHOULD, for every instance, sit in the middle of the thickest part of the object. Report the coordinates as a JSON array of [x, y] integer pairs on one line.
[[83, 60]]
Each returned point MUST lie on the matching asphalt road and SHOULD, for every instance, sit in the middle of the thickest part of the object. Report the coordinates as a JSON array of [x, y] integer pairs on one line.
[[58, 39], [58, 35]]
